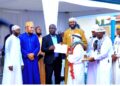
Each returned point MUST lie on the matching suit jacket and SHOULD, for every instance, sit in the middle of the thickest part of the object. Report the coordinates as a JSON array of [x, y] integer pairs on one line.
[[49, 54]]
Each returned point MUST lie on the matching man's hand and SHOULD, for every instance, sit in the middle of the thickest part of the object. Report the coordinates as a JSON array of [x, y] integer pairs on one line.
[[41, 53], [31, 56], [52, 47], [85, 58], [114, 57], [91, 59], [84, 47], [10, 68], [61, 43]]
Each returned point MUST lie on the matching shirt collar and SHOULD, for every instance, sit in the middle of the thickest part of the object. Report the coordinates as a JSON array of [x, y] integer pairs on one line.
[[53, 35]]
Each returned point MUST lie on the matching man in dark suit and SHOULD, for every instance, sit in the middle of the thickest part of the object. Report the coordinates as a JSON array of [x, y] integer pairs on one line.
[[52, 60]]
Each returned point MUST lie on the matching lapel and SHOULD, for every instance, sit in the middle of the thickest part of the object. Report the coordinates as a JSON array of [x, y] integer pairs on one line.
[[50, 40], [57, 39]]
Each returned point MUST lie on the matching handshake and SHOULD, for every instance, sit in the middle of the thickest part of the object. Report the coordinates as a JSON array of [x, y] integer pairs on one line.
[[86, 58]]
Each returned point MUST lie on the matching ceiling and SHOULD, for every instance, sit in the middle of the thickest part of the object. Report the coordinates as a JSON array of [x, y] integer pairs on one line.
[[68, 7], [36, 5]]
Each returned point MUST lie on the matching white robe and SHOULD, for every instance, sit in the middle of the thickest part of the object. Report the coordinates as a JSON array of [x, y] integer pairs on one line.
[[116, 65], [78, 66], [13, 58], [104, 67], [92, 66]]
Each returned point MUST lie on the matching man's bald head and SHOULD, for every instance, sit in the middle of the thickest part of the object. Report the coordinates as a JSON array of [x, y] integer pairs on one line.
[[53, 26], [52, 29]]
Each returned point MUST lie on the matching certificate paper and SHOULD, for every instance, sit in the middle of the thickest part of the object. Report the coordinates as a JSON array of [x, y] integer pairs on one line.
[[60, 48]]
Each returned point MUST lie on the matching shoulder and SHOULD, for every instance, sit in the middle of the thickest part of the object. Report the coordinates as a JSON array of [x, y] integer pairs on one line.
[[34, 35], [9, 39], [78, 48], [94, 39], [58, 35], [81, 31], [107, 40], [45, 37], [67, 30], [22, 35], [117, 39], [90, 39]]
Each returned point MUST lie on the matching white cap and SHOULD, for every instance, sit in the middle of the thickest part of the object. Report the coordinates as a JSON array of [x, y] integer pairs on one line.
[[94, 27], [15, 27], [72, 19], [100, 29]]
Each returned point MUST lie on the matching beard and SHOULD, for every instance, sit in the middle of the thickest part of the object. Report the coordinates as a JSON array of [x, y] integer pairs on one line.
[[72, 27], [39, 34], [30, 33], [16, 34], [94, 36]]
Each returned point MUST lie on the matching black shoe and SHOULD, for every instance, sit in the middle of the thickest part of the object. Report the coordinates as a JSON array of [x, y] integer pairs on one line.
[[62, 78]]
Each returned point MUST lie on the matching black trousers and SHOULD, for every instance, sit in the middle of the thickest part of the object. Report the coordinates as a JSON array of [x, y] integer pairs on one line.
[[56, 67]]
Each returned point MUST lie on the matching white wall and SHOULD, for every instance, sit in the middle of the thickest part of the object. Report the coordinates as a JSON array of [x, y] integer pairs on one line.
[[20, 17], [3, 32], [86, 24], [63, 21]]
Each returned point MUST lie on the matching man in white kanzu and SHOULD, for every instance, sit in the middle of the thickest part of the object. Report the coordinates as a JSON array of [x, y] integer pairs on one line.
[[116, 58], [103, 56], [76, 67], [12, 73], [92, 66]]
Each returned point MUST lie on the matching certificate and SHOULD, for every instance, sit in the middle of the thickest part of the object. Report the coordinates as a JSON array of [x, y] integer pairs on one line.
[[61, 48]]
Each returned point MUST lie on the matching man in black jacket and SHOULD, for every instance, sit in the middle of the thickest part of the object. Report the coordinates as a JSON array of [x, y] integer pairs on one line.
[[52, 60]]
